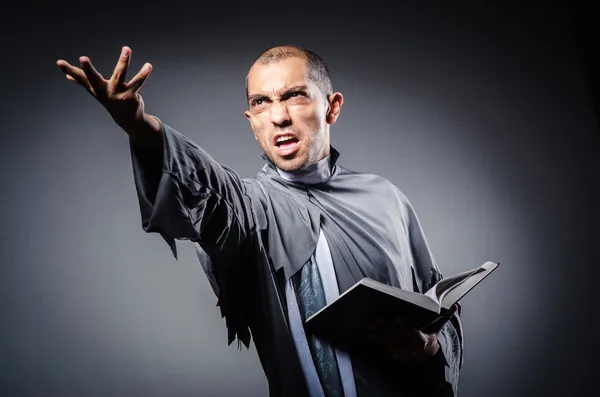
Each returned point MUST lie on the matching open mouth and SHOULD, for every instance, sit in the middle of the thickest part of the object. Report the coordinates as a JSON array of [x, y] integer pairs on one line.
[[285, 141], [286, 144]]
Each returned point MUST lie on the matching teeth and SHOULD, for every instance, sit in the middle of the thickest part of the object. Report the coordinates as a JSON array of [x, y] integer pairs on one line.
[[284, 138]]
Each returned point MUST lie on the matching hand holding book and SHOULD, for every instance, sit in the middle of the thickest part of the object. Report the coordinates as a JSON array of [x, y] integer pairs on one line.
[[395, 338]]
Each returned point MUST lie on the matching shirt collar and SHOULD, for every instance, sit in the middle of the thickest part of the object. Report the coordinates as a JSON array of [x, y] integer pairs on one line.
[[318, 172]]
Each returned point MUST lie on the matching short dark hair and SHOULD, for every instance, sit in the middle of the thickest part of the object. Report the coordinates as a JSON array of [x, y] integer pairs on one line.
[[317, 70]]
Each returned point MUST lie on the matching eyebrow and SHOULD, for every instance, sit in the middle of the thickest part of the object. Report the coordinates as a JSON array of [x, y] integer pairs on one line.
[[302, 87]]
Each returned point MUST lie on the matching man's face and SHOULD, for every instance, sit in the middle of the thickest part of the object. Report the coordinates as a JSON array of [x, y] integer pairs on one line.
[[289, 115]]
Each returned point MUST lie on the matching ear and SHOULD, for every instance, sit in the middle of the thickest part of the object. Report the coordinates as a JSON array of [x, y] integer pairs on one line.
[[247, 114], [336, 100]]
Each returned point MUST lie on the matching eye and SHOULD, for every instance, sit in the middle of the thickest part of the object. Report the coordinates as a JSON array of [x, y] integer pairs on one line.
[[295, 94]]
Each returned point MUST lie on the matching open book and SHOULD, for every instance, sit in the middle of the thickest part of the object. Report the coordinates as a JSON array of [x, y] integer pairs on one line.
[[344, 321]]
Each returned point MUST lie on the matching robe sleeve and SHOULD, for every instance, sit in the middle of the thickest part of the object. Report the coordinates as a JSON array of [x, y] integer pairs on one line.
[[184, 194], [427, 273]]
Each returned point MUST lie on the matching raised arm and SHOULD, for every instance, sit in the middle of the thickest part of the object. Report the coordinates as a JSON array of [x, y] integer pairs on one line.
[[183, 192]]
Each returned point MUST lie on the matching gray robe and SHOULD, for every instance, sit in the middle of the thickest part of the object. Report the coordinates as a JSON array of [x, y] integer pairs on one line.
[[252, 234]]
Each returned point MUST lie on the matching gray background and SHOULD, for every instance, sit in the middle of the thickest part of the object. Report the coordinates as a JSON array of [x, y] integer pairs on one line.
[[479, 113]]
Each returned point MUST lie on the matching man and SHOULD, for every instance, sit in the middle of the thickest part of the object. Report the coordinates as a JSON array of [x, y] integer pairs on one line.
[[303, 227]]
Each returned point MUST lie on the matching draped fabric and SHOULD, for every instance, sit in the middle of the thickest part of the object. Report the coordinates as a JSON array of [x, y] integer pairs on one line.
[[253, 234]]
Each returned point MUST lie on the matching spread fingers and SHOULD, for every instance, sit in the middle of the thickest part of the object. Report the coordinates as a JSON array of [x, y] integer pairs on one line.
[[75, 74], [96, 80], [140, 78]]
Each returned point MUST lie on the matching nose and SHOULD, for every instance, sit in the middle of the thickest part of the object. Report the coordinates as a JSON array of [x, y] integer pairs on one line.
[[279, 114]]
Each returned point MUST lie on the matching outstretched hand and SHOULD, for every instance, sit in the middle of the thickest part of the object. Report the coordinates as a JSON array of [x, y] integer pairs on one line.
[[119, 98], [401, 342]]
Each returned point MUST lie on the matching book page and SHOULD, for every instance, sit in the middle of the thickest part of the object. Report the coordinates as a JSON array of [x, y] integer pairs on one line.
[[451, 296], [413, 297], [438, 291]]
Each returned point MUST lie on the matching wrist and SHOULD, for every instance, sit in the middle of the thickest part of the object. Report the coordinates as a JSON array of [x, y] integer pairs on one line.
[[152, 123], [145, 128]]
